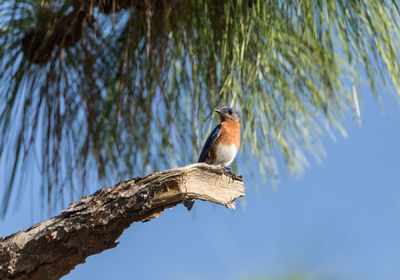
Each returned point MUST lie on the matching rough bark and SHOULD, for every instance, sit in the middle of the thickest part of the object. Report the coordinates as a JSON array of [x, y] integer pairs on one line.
[[52, 248]]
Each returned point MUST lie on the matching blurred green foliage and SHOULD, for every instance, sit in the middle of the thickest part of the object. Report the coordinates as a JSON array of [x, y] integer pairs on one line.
[[123, 87]]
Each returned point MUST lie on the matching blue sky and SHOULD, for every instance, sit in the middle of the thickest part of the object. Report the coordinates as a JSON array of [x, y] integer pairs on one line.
[[340, 220]]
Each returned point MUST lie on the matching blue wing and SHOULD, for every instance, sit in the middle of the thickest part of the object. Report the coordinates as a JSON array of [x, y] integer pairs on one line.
[[210, 141]]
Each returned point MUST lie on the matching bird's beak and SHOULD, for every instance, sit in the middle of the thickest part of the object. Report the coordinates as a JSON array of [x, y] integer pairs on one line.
[[221, 114]]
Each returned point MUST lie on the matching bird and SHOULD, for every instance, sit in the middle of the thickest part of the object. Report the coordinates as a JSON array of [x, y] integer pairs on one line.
[[222, 144]]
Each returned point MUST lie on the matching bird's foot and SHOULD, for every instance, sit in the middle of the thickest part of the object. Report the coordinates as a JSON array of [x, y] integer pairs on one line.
[[228, 172]]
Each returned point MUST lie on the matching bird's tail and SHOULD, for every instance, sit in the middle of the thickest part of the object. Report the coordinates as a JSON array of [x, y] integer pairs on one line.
[[188, 204]]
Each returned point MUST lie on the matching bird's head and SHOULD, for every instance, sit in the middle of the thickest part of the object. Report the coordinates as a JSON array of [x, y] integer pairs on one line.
[[228, 113]]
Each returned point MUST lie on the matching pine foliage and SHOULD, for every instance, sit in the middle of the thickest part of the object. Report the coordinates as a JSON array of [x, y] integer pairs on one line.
[[129, 86]]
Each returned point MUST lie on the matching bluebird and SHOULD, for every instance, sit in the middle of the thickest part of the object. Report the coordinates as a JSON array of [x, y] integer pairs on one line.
[[222, 144]]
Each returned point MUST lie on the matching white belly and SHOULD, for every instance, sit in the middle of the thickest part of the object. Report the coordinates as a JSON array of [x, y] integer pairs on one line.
[[224, 155]]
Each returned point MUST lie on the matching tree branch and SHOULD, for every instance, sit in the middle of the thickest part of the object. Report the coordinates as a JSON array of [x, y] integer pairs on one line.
[[52, 248]]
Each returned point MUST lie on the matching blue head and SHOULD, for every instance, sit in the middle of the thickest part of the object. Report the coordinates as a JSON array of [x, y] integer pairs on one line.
[[228, 113]]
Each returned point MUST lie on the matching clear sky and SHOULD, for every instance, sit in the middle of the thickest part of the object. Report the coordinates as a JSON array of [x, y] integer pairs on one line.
[[340, 220]]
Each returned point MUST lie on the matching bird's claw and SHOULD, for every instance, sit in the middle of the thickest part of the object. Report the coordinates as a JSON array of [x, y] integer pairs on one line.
[[228, 172]]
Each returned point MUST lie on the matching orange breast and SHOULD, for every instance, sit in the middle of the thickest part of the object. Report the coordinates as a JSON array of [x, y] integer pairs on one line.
[[225, 148], [230, 133]]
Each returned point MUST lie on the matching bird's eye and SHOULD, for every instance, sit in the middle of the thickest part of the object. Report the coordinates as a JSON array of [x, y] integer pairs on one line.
[[230, 112]]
